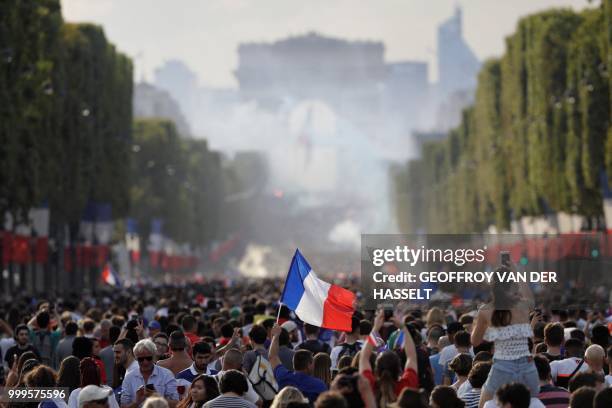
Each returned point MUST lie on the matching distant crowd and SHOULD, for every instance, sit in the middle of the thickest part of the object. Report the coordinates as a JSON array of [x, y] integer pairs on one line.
[[222, 345]]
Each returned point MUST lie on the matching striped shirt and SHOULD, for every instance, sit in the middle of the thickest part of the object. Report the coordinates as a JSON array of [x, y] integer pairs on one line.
[[471, 398], [554, 397], [228, 401]]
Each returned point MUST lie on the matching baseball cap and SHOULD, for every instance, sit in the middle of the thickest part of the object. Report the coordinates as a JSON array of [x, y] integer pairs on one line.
[[93, 393], [289, 325], [154, 325]]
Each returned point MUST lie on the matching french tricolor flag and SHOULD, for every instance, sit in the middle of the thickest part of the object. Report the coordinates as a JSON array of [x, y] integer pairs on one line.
[[314, 301], [109, 276]]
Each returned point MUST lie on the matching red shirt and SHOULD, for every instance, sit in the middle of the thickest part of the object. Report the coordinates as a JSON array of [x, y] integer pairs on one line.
[[101, 369], [408, 379], [193, 338]]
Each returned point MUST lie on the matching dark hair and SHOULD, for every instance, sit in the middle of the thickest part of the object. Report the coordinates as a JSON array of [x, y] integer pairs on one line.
[[68, 375], [283, 338], [210, 385], [462, 339], [227, 330], [543, 367], [538, 330], [600, 335], [42, 319], [310, 329], [540, 348], [296, 404], [260, 307], [41, 376], [603, 399], [501, 317], [88, 325], [578, 334], [70, 329], [479, 373], [486, 346], [466, 319], [411, 398], [554, 334], [388, 368], [188, 322], [177, 341], [82, 347], [20, 328], [365, 327], [201, 348], [482, 356], [301, 359], [461, 364], [268, 323], [28, 355], [515, 394], [90, 372], [330, 399], [132, 335], [582, 397], [574, 348], [355, 324], [453, 327], [584, 379], [127, 344], [233, 381], [446, 397], [258, 334], [113, 334]]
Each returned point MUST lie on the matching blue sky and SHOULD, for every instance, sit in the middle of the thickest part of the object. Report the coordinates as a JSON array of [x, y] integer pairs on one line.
[[205, 33]]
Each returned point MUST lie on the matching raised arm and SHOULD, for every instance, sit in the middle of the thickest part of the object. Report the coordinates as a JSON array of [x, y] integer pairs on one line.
[[410, 350], [273, 352], [479, 328], [366, 351], [233, 343], [6, 328]]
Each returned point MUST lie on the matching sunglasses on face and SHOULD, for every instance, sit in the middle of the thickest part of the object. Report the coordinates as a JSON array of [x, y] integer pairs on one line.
[[148, 358], [103, 401], [161, 344]]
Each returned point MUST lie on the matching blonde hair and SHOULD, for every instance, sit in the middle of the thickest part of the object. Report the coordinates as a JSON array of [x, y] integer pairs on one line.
[[155, 402], [287, 395], [435, 316], [322, 367]]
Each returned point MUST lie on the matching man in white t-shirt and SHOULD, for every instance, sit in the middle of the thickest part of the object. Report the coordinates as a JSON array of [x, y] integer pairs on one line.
[[561, 370], [449, 352]]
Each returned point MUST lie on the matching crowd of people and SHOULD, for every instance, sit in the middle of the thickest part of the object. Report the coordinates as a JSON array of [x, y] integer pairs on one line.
[[234, 346]]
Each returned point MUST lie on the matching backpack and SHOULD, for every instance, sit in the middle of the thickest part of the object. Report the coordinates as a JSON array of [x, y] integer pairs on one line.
[[262, 378], [349, 349], [42, 343]]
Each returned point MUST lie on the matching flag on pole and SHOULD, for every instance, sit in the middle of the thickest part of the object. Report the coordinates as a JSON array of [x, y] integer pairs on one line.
[[314, 301], [109, 276]]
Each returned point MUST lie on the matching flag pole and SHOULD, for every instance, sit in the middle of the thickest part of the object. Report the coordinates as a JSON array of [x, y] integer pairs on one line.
[[280, 305]]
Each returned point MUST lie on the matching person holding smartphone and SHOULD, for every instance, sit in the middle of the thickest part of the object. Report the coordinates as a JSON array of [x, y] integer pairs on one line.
[[149, 380]]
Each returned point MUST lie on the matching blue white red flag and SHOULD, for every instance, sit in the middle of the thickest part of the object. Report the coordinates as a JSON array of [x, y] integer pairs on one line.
[[109, 276], [315, 301]]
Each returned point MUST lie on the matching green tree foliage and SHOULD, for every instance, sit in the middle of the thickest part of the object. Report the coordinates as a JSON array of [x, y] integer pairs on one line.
[[536, 139], [65, 113], [29, 101], [176, 180]]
